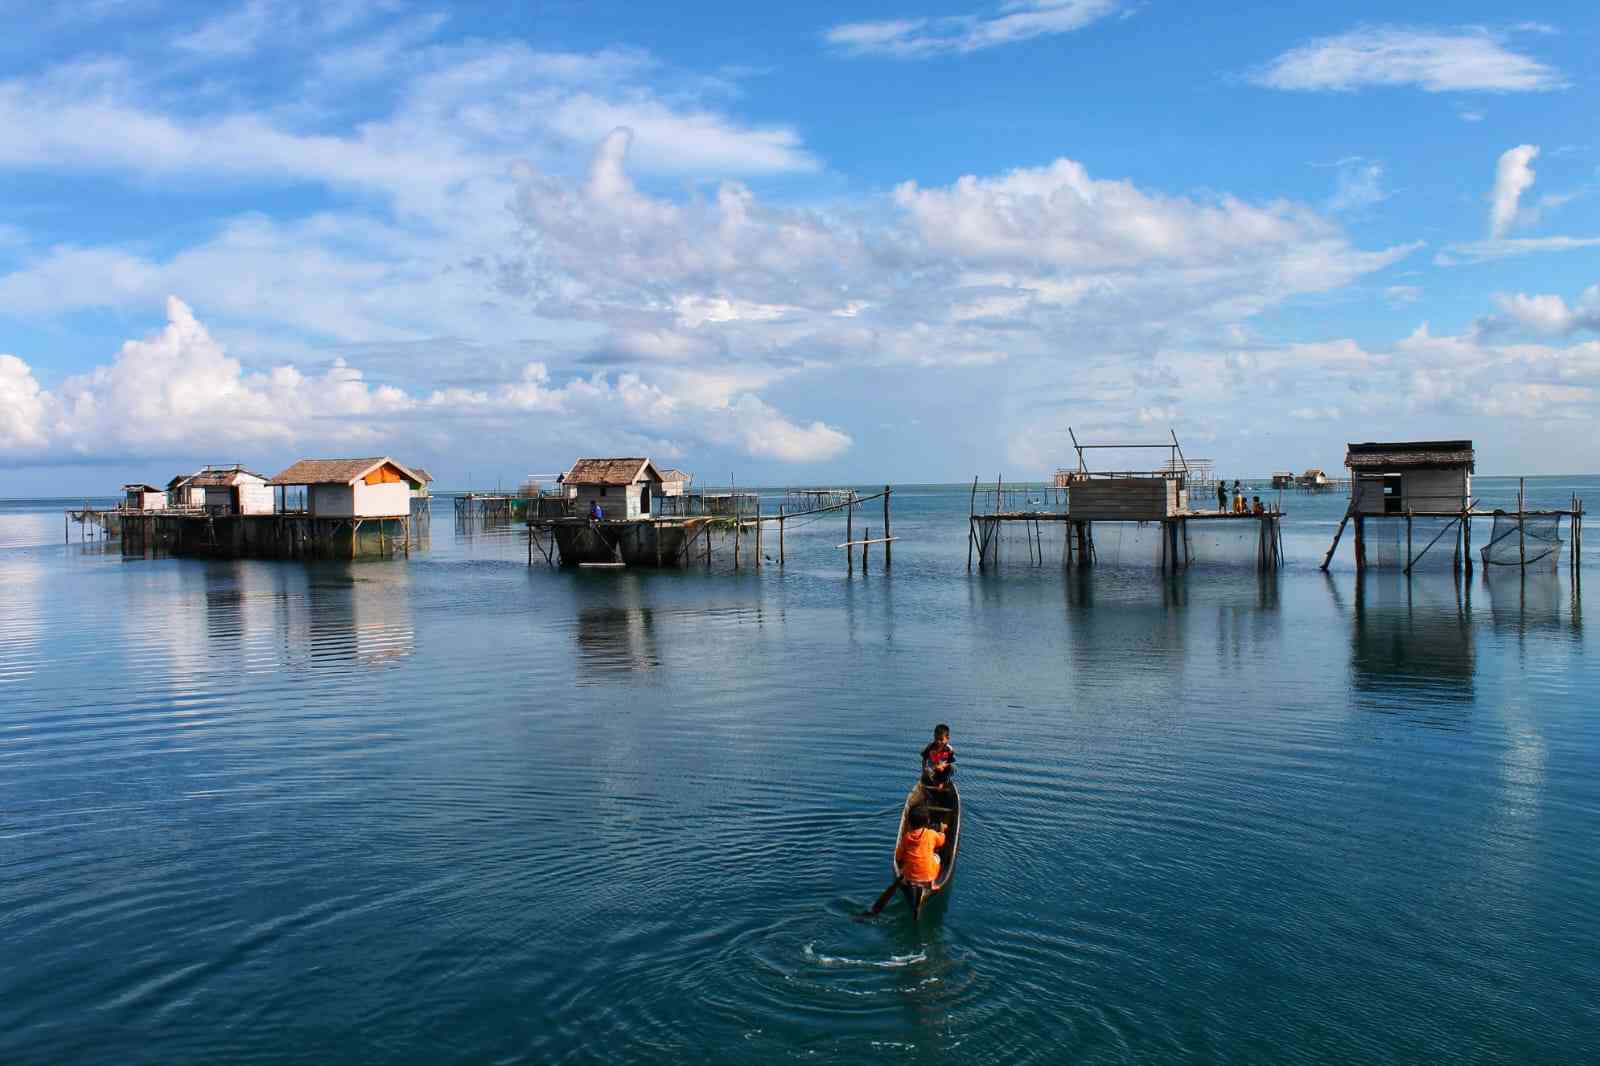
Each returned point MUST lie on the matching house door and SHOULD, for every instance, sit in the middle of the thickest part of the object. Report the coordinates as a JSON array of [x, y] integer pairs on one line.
[[1394, 500], [644, 499]]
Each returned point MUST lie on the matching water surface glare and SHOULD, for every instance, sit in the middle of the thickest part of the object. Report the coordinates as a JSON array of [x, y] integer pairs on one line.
[[460, 810]]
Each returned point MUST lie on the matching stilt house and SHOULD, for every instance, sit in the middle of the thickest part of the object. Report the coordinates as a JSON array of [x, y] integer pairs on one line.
[[141, 497], [675, 482], [182, 492], [375, 487], [1421, 477], [232, 490], [622, 487]]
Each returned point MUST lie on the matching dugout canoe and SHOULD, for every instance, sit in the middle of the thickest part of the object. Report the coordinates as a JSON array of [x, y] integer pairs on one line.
[[945, 806]]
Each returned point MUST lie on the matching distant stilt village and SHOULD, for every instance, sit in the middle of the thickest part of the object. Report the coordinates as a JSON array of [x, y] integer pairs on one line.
[[1408, 501]]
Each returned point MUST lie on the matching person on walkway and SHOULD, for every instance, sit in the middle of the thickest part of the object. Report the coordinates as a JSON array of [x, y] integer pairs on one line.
[[938, 759], [1256, 506], [595, 513], [918, 851], [1222, 495], [1238, 498]]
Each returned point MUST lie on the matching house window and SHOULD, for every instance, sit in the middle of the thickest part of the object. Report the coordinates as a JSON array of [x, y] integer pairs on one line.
[[602, 490]]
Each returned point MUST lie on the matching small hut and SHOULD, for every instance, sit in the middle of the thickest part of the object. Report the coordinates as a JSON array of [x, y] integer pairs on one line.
[[1424, 477], [1314, 478], [1283, 479], [675, 482], [142, 497], [182, 492], [375, 487], [232, 490], [622, 487]]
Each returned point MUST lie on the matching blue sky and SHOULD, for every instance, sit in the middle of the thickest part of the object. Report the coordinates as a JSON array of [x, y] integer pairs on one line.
[[901, 241]]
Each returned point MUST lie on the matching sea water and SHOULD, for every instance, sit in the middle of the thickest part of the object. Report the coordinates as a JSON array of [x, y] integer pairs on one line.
[[454, 809]]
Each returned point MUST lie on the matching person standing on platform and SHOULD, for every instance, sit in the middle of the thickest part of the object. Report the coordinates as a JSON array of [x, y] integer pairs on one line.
[[1222, 495]]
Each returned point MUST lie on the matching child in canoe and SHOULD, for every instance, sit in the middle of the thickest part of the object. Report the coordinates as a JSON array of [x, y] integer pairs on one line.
[[938, 759], [918, 852]]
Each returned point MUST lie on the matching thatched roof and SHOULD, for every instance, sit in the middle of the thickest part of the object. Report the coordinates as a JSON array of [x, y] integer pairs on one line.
[[610, 472], [338, 471], [677, 475], [1397, 455]]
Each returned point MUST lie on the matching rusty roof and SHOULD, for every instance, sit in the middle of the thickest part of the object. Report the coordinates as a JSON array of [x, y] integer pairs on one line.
[[221, 477], [338, 471], [609, 471], [423, 474], [677, 475], [1393, 455]]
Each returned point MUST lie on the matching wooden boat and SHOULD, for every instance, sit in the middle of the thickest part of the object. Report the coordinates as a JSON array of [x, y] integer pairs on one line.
[[944, 806]]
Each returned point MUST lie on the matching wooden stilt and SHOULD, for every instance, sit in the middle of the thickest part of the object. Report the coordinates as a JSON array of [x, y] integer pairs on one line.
[[1361, 543], [780, 535], [1522, 538], [888, 544], [865, 544], [1408, 540], [849, 535], [758, 532]]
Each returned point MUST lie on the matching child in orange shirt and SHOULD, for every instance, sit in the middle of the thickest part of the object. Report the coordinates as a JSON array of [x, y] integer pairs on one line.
[[918, 853]]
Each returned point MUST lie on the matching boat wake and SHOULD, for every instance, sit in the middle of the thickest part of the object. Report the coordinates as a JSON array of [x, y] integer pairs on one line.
[[893, 962]]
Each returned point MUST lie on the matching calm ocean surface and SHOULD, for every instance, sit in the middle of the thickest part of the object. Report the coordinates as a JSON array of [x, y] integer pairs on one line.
[[457, 810]]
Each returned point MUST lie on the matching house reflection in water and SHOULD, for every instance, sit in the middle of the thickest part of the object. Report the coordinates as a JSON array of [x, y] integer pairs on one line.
[[360, 614], [1412, 649], [615, 639]]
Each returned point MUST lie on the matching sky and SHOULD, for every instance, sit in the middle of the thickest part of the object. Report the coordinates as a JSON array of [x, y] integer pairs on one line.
[[903, 241]]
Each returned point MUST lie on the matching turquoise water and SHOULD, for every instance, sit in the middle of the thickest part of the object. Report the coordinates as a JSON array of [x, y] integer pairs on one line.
[[460, 810]]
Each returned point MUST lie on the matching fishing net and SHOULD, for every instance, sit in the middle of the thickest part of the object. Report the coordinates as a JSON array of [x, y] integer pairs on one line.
[[1532, 539], [1231, 543], [1432, 546], [1015, 542]]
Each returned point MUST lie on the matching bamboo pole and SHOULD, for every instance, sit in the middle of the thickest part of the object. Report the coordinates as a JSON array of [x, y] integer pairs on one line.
[[781, 558], [972, 532], [1466, 538], [888, 548], [866, 541], [1408, 540], [758, 532], [849, 535]]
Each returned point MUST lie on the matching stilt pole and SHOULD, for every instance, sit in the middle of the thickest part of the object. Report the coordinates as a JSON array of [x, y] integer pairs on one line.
[[888, 546]]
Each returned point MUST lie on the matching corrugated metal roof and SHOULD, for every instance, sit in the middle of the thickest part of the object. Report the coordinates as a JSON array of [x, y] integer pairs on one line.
[[140, 488], [1396, 454], [608, 471], [677, 475], [423, 474], [337, 471], [222, 478]]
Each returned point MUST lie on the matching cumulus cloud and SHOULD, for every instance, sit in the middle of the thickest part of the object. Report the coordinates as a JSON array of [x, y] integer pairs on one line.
[[1513, 176], [1011, 22], [1550, 315], [1434, 61], [178, 392]]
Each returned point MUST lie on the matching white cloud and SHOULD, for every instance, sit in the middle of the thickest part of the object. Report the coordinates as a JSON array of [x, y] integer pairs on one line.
[[1011, 22], [1509, 248], [1400, 295], [1359, 186], [177, 392], [1434, 61], [1513, 175], [1550, 315]]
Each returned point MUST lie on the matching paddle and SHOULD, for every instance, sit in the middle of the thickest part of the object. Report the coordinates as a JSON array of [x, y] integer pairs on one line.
[[883, 900]]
